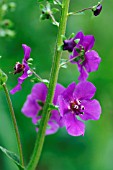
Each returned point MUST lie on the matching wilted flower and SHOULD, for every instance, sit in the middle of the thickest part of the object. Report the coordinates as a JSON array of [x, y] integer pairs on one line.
[[75, 104], [87, 60], [34, 105], [24, 68]]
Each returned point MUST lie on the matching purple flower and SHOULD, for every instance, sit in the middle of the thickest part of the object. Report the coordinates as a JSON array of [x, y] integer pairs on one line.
[[75, 105], [34, 105], [87, 60], [22, 68]]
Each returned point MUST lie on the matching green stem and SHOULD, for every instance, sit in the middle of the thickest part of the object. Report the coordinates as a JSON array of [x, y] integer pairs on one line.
[[53, 80], [14, 123]]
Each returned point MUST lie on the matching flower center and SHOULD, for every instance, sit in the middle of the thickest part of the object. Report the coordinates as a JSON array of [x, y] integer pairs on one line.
[[76, 107], [18, 68]]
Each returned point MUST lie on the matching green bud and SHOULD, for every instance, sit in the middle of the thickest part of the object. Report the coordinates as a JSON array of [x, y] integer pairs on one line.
[[3, 77], [12, 6]]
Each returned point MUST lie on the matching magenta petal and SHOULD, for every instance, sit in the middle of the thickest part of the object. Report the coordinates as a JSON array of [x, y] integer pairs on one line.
[[27, 51], [80, 36], [35, 119], [58, 90], [68, 93], [74, 127], [92, 61], [24, 75], [88, 42], [92, 110], [30, 107], [52, 126], [39, 92], [16, 88], [63, 106], [55, 115], [84, 90], [83, 74]]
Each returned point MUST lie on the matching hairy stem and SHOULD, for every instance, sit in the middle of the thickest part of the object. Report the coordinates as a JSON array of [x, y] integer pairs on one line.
[[53, 80], [14, 123]]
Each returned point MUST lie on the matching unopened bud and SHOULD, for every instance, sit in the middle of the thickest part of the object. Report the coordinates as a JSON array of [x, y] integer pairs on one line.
[[97, 9]]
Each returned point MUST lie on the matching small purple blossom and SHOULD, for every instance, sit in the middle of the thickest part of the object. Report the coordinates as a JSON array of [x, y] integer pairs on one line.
[[96, 10], [33, 107], [75, 105], [22, 68], [87, 60]]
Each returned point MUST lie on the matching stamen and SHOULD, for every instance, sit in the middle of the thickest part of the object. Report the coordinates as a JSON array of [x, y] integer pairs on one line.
[[78, 102], [76, 107], [82, 107]]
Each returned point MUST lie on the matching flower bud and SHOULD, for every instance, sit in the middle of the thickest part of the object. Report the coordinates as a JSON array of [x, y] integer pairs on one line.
[[97, 9]]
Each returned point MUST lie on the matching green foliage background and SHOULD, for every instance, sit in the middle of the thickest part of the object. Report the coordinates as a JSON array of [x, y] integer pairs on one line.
[[94, 151]]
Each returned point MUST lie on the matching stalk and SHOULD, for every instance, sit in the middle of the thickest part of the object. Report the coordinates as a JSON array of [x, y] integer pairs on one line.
[[53, 80], [14, 123]]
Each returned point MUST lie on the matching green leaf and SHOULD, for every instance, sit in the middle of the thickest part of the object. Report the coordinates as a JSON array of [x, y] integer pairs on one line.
[[3, 77], [13, 157], [54, 10], [53, 107]]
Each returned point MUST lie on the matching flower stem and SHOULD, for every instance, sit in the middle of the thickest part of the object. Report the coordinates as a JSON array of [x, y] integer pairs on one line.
[[53, 80], [14, 123], [82, 10]]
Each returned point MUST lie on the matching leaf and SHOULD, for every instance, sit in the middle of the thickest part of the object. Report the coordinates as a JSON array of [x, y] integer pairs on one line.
[[53, 107], [13, 157]]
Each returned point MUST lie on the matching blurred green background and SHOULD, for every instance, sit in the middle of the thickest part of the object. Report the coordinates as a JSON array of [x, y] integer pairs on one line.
[[94, 151]]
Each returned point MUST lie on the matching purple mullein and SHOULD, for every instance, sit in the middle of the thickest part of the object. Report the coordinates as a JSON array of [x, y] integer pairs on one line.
[[75, 105], [34, 105], [87, 60], [22, 68]]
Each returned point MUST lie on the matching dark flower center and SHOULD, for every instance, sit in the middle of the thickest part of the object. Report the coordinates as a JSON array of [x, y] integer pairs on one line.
[[76, 107], [18, 68]]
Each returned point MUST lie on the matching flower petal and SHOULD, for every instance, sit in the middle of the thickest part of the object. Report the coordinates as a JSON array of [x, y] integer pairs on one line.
[[92, 61], [84, 90], [88, 42], [80, 36], [63, 106], [52, 126], [74, 127], [30, 107], [83, 74], [55, 115], [39, 92], [16, 88], [92, 110], [68, 93], [58, 90], [27, 51], [24, 75]]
